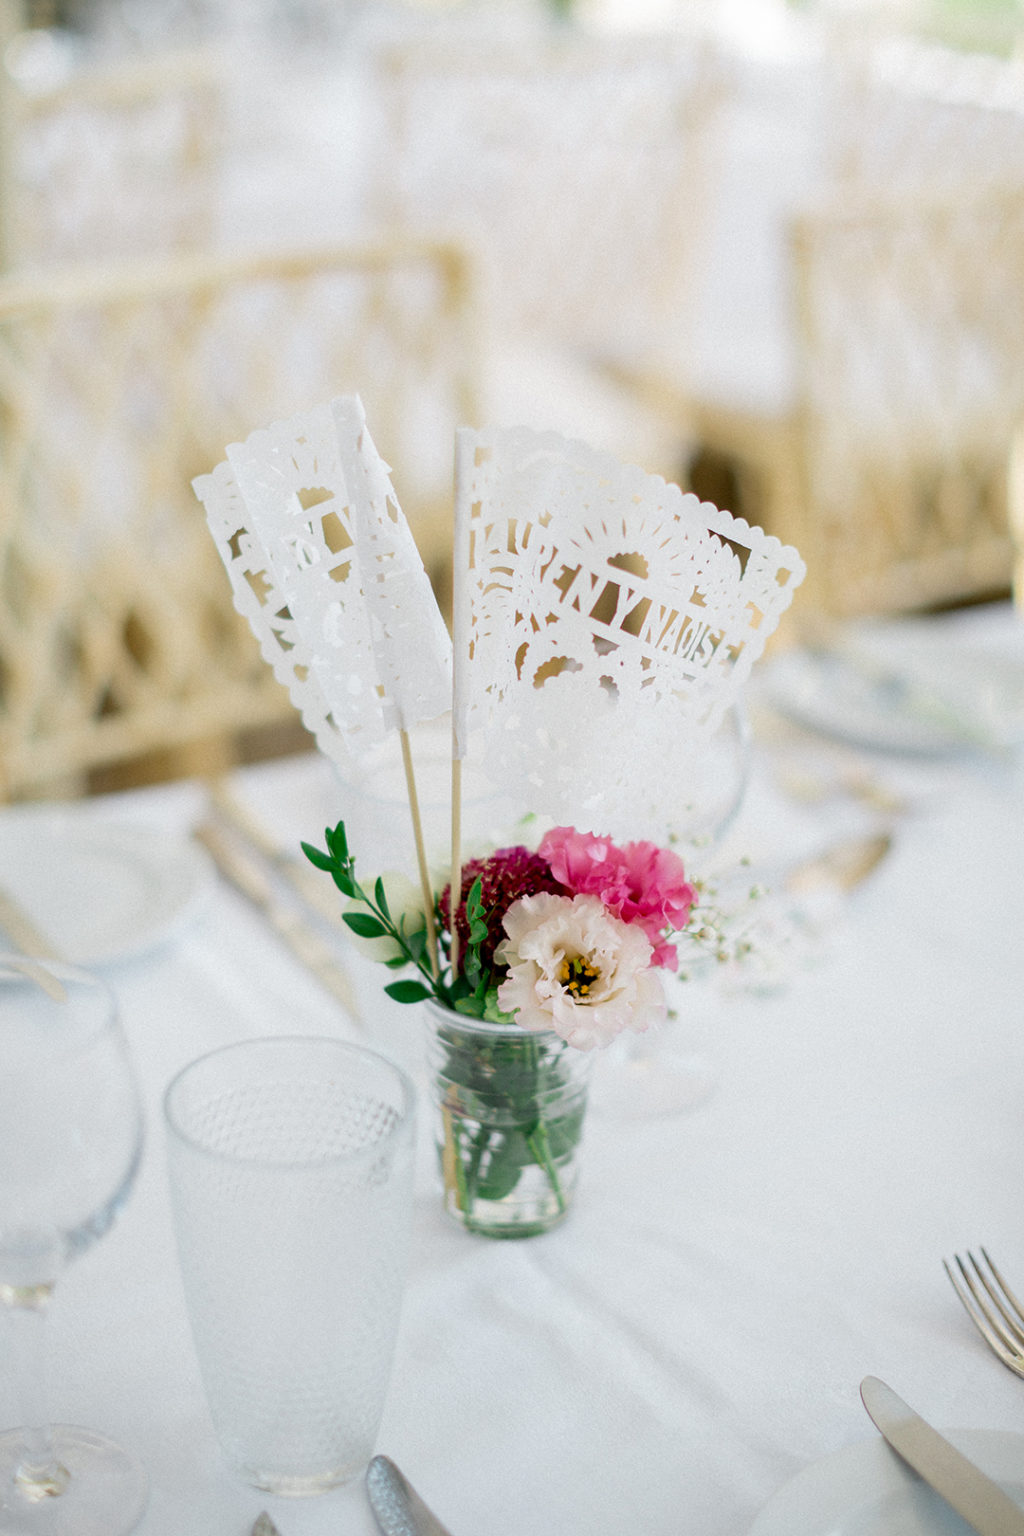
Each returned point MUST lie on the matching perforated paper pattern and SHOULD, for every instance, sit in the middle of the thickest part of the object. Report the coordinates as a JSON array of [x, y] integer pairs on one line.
[[324, 567], [606, 623]]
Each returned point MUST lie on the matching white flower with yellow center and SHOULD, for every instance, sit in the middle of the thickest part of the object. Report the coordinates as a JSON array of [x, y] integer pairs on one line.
[[576, 969]]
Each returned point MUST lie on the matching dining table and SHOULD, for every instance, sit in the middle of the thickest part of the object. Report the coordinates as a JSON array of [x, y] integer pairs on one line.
[[691, 1338]]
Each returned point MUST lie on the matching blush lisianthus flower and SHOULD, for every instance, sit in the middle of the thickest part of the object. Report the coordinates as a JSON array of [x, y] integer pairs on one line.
[[639, 882], [576, 969]]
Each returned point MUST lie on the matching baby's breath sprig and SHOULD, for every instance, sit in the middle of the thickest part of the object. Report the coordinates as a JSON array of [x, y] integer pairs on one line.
[[718, 934]]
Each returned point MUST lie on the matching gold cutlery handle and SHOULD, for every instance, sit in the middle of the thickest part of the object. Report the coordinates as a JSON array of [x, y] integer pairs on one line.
[[309, 885], [22, 930], [246, 876]]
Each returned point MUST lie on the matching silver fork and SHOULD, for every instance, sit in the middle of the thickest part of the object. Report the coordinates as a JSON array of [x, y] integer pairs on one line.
[[991, 1306]]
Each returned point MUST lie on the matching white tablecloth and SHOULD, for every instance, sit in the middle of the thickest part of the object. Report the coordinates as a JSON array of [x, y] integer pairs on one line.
[[696, 1331]]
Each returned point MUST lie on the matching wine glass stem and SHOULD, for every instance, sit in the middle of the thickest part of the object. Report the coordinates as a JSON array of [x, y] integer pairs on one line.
[[39, 1475]]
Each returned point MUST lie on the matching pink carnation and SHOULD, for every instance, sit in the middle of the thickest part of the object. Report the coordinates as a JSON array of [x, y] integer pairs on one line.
[[639, 883]]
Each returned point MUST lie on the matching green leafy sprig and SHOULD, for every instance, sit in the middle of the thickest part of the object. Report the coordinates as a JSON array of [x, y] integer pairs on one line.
[[377, 922], [474, 991]]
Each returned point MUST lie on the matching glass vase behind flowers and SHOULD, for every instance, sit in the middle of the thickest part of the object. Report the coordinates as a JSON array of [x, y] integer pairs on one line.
[[661, 1073], [546, 956]]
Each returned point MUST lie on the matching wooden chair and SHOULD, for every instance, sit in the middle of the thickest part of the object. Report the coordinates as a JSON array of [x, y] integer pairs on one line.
[[889, 472], [117, 633], [909, 117], [1016, 517], [888, 464], [117, 162], [575, 167]]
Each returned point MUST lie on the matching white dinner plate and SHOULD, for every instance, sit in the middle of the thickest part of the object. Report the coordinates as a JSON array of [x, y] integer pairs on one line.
[[900, 691], [866, 1490], [100, 893]]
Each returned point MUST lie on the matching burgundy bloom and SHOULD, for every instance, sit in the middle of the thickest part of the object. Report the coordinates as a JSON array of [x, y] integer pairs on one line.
[[505, 876]]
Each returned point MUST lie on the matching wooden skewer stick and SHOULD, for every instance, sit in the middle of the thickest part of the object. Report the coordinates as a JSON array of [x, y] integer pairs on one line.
[[456, 886], [33, 947], [1015, 517], [462, 559], [421, 853]]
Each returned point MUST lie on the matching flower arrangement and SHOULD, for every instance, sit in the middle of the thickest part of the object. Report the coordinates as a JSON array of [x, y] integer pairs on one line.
[[545, 954], [568, 937], [576, 580]]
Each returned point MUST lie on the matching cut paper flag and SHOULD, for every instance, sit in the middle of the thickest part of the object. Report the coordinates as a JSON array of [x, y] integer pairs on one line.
[[604, 622], [324, 567]]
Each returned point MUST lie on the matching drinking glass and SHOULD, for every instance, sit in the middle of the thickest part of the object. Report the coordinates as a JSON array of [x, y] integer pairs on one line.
[[644, 1076], [70, 1145], [291, 1165]]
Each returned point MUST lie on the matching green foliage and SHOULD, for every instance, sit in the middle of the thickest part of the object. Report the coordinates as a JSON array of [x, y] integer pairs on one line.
[[407, 991], [491, 1151], [377, 922], [366, 926], [473, 992]]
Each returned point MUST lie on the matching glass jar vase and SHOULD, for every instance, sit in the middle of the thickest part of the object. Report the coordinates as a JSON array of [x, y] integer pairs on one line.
[[509, 1111]]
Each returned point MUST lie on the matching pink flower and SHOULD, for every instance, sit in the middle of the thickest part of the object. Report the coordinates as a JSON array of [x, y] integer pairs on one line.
[[639, 883]]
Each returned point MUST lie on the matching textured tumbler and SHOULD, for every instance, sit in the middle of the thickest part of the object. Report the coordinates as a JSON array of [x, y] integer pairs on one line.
[[291, 1169]]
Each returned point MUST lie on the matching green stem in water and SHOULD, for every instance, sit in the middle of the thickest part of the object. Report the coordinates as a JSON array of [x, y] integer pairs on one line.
[[537, 1139], [540, 1146], [472, 1177]]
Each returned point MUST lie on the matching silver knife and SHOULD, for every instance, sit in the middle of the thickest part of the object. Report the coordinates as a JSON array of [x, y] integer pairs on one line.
[[980, 1501], [399, 1509]]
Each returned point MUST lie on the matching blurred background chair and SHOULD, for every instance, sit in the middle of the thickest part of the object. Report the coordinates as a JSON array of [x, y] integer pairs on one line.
[[110, 160], [1016, 517], [575, 165], [886, 460], [120, 652], [576, 168], [912, 385], [912, 116]]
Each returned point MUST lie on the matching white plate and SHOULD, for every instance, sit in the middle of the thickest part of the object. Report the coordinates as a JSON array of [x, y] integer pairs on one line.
[[866, 1490], [902, 691], [100, 893]]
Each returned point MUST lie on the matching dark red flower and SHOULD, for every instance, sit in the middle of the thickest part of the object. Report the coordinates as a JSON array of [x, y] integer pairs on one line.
[[505, 875]]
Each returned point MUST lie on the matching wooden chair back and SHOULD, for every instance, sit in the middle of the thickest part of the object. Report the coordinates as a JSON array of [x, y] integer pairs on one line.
[[574, 166], [117, 633], [911, 390], [114, 163]]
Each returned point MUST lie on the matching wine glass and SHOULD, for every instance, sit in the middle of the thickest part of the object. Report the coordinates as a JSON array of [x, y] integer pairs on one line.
[[70, 1145], [647, 1075]]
